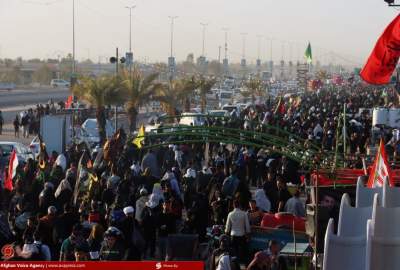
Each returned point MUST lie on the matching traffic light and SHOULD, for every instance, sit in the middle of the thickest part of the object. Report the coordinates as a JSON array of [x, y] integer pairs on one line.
[[113, 60]]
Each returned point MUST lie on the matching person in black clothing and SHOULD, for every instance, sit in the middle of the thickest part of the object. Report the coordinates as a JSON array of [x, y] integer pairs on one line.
[[108, 195], [166, 226], [200, 210], [30, 227], [128, 225], [25, 125], [219, 207], [16, 126], [64, 224], [283, 194], [94, 241], [271, 191], [150, 215]]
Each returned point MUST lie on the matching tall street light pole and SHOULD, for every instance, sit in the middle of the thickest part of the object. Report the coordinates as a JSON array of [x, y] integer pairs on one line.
[[204, 37], [244, 44], [171, 59], [130, 40], [258, 64], [130, 26], [225, 60], [226, 41], [172, 32], [73, 79], [259, 37], [73, 38]]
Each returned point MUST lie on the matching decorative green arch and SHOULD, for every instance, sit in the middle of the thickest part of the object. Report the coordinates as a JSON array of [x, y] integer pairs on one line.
[[291, 146]]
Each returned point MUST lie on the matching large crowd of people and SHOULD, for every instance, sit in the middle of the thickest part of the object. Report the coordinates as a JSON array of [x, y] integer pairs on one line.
[[124, 203]]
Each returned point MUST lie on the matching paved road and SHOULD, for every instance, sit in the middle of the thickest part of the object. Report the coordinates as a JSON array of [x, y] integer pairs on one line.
[[17, 100]]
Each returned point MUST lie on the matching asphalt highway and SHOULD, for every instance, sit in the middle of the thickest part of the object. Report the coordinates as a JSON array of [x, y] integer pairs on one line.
[[17, 100]]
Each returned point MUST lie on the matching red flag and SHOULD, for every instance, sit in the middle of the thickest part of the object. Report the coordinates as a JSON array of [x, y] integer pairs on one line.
[[384, 57], [280, 107], [12, 171], [380, 169], [69, 102]]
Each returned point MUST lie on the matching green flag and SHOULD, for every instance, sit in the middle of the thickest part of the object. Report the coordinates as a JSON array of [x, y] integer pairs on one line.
[[308, 54]]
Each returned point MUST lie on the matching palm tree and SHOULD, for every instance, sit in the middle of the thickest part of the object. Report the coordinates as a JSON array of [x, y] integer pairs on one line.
[[99, 92], [205, 86], [138, 91], [186, 88], [168, 99], [175, 94], [255, 87]]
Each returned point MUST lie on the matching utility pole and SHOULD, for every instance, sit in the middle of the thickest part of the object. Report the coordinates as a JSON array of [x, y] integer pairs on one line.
[[259, 46], [130, 39], [271, 63], [270, 48], [258, 64], [226, 41], [116, 74], [171, 59], [243, 61], [130, 26], [244, 44], [225, 60], [204, 37], [172, 32], [219, 54], [72, 78], [73, 38], [116, 63]]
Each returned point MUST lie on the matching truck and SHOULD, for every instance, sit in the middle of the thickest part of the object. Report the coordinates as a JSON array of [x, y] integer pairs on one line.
[[56, 132]]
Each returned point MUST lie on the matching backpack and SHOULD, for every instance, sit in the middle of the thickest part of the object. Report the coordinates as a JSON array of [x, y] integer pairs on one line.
[[38, 256]]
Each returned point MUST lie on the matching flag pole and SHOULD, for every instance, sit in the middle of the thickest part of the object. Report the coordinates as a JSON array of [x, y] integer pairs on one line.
[[316, 219], [295, 247], [344, 131]]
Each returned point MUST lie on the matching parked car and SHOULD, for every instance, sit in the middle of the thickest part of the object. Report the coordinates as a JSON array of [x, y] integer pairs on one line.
[[90, 133], [6, 148], [59, 83]]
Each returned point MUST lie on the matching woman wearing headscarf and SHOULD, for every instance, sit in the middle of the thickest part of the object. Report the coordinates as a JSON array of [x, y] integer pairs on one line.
[[63, 193], [157, 196]]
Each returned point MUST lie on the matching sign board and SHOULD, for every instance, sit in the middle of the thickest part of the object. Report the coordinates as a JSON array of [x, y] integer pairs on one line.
[[129, 58]]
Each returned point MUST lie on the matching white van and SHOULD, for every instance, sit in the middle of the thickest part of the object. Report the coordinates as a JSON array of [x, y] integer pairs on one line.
[[192, 119]]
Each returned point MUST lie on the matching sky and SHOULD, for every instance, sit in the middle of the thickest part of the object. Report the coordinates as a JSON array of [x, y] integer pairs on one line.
[[340, 31]]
